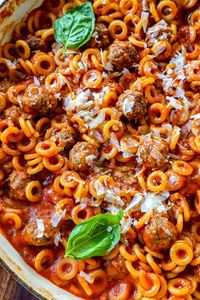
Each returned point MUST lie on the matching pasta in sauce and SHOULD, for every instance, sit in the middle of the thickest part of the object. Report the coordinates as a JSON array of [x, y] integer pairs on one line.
[[114, 124]]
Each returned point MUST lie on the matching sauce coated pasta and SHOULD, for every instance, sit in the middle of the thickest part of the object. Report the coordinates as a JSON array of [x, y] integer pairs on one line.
[[103, 127]]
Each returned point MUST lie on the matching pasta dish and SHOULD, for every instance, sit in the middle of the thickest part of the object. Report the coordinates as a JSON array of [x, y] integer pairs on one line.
[[100, 144]]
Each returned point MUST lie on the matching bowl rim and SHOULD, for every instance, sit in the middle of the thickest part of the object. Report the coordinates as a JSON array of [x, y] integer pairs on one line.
[[19, 280]]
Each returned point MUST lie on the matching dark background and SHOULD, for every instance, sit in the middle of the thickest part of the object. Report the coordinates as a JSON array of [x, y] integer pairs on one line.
[[11, 290]]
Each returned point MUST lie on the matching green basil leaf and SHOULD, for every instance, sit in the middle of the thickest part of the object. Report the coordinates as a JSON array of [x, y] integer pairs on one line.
[[95, 236], [75, 28]]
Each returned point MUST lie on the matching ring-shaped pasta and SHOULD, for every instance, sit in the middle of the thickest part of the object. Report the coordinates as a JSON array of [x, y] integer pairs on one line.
[[129, 6], [99, 281], [80, 213], [67, 268], [53, 163], [157, 181], [92, 79], [46, 148], [65, 204], [33, 191], [70, 179], [157, 113], [167, 10], [10, 149], [179, 286], [54, 82], [11, 135], [114, 126], [149, 283], [43, 63], [124, 253], [182, 168], [17, 164], [43, 260], [23, 49], [181, 253], [14, 91], [58, 187], [118, 30], [155, 267], [11, 220]]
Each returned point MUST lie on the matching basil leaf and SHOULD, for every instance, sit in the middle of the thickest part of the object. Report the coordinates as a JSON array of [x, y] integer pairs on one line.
[[75, 28], [95, 236]]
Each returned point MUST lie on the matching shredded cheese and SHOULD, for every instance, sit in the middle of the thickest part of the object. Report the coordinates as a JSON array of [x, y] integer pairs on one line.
[[40, 228]]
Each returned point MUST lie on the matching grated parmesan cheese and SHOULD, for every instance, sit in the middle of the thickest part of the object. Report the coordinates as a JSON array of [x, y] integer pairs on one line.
[[144, 17], [57, 217], [86, 276], [110, 197], [195, 117], [40, 228], [154, 201], [90, 158], [57, 238], [97, 121], [112, 208], [108, 66], [36, 80], [99, 188], [134, 202], [126, 223], [174, 102]]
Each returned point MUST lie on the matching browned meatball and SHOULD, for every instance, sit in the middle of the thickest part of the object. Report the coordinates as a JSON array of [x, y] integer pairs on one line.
[[64, 138], [17, 183], [122, 55], [38, 100], [116, 268], [36, 44], [13, 113], [132, 105], [100, 37], [39, 232], [83, 156], [159, 234], [153, 152]]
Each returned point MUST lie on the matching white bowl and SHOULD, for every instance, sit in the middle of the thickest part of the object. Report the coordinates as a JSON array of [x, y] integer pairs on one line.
[[11, 12]]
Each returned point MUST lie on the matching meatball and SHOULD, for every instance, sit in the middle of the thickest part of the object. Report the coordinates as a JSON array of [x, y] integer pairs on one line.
[[132, 105], [153, 152], [83, 156], [17, 183], [63, 138], [34, 235], [122, 55], [13, 113], [116, 268], [36, 44], [38, 100], [100, 37], [159, 234]]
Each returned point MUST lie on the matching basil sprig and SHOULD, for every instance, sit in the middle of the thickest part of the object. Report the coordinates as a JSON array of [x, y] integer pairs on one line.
[[95, 236], [75, 28]]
